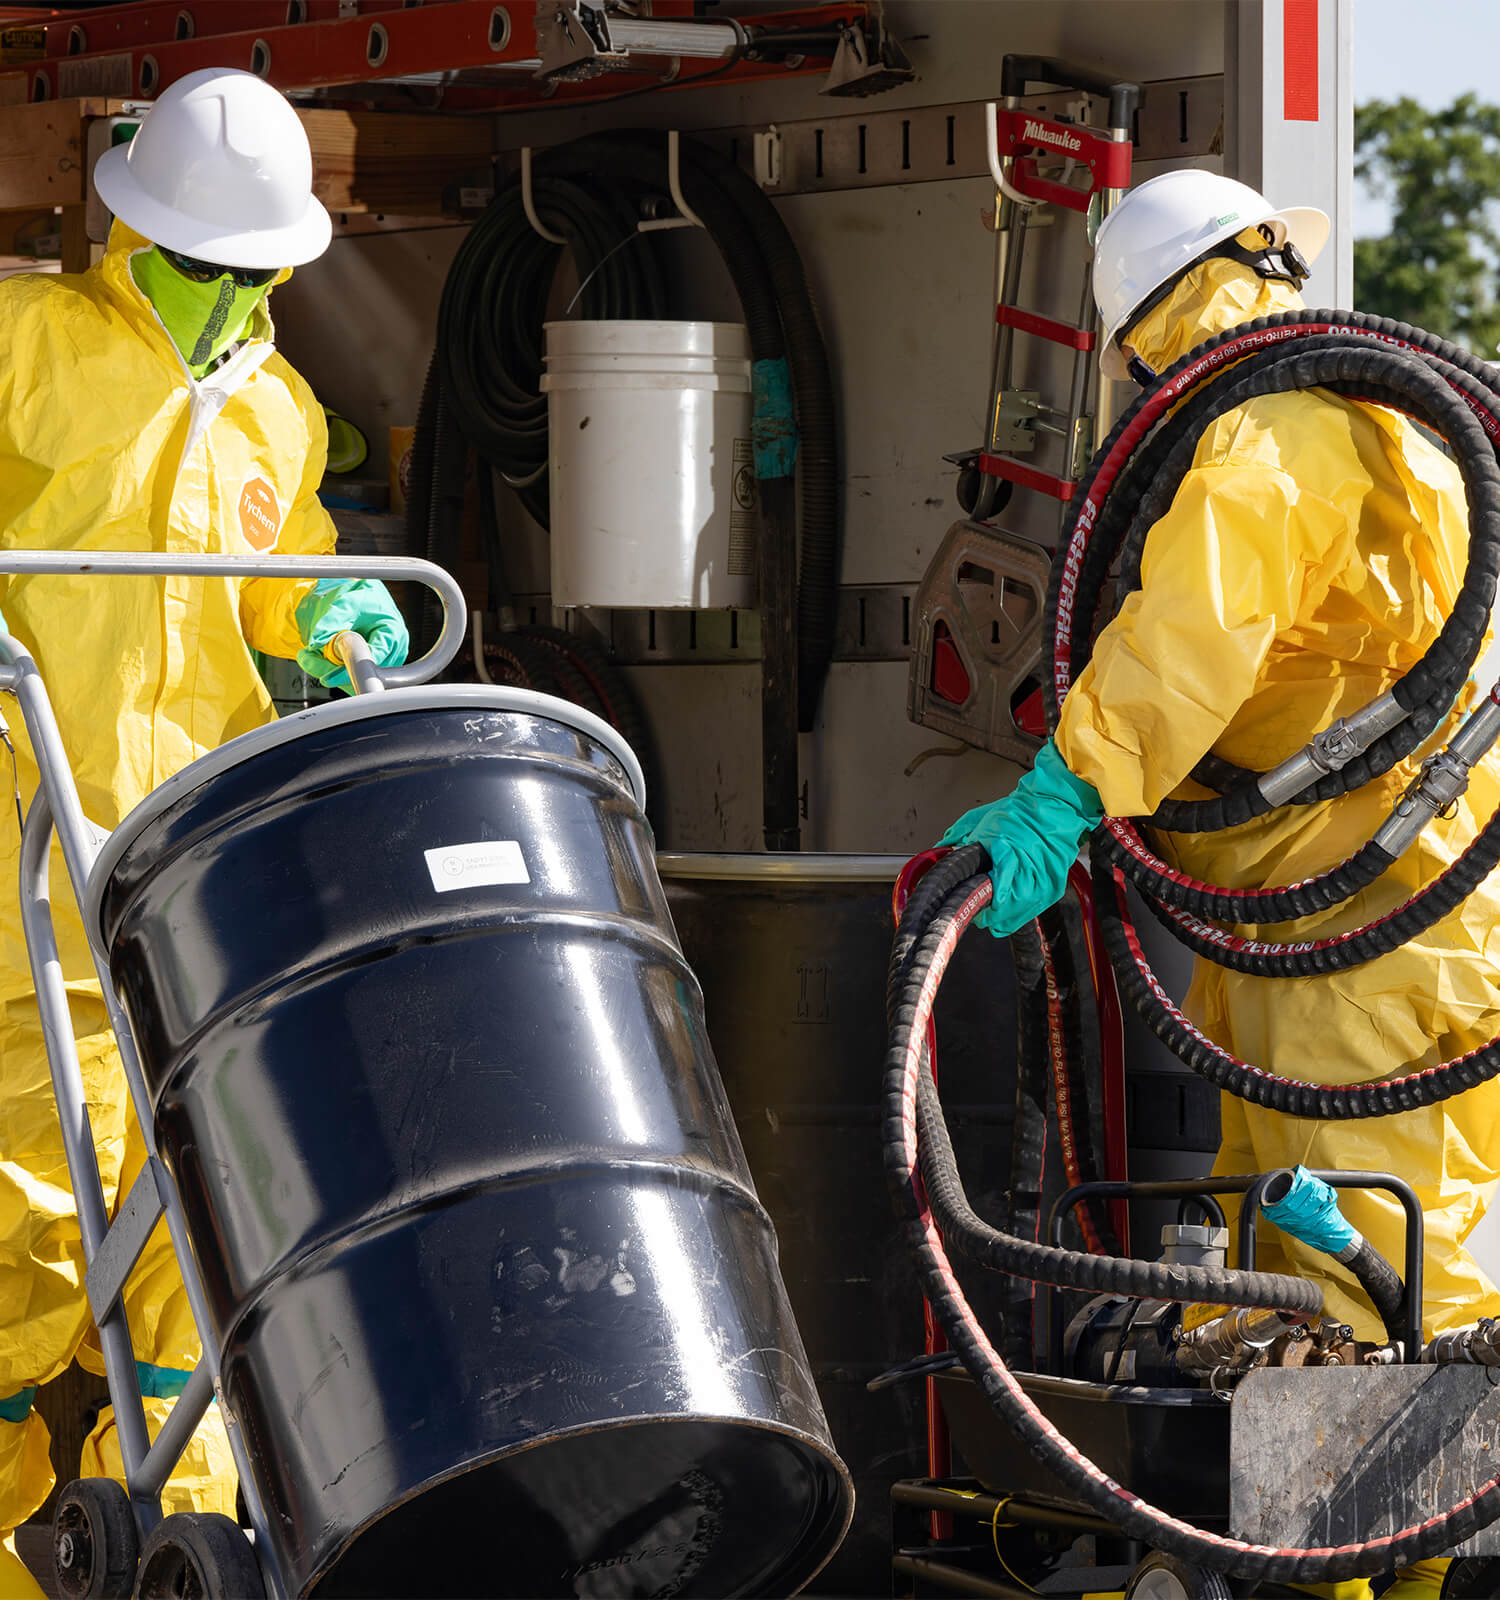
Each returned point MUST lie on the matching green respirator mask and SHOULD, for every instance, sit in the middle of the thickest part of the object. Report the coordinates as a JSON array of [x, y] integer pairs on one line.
[[203, 306]]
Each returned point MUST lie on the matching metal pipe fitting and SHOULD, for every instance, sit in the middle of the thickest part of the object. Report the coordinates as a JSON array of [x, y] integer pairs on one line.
[[1231, 1341], [1331, 750], [1478, 1346], [1443, 778]]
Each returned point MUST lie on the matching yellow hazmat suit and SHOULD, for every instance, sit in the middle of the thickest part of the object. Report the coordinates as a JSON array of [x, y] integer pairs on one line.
[[106, 442], [1309, 557]]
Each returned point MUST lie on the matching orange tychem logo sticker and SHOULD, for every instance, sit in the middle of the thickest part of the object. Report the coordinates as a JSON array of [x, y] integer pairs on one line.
[[260, 516]]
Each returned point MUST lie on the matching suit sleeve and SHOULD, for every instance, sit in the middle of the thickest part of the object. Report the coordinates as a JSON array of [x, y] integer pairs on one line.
[[268, 605], [1222, 574]]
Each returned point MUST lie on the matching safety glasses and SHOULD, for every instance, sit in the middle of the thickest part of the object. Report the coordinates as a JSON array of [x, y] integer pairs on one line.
[[206, 271]]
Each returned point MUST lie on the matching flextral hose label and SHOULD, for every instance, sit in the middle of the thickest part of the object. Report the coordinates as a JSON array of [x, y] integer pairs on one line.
[[473, 866]]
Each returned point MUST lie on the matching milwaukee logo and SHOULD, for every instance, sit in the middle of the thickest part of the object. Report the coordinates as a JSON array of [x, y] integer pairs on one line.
[[1044, 133]]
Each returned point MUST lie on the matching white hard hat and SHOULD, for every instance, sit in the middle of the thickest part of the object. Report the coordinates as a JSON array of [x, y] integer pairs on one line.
[[1160, 229], [220, 169]]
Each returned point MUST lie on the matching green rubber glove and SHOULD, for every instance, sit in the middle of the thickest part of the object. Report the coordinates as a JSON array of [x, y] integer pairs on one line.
[[353, 605], [1032, 836]]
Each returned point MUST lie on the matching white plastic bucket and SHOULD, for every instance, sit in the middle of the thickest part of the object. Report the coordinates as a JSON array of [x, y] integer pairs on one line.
[[651, 473]]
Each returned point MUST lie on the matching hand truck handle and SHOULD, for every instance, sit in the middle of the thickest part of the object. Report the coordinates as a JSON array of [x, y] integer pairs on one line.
[[354, 652], [1124, 98], [392, 569]]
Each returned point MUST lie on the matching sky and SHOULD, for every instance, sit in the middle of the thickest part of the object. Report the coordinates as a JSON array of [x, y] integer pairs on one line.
[[1459, 53], [1459, 49]]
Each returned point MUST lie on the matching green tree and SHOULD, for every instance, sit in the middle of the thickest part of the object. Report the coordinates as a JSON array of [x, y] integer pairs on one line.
[[1439, 171]]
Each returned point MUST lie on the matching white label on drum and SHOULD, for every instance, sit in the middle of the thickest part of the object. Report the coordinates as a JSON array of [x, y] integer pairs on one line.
[[471, 866]]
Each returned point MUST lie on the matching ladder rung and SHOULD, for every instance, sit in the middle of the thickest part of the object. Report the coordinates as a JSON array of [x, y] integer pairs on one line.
[[1028, 477], [1063, 333]]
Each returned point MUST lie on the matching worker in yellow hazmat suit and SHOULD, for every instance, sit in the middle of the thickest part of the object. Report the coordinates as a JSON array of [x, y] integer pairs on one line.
[[1309, 558], [143, 407]]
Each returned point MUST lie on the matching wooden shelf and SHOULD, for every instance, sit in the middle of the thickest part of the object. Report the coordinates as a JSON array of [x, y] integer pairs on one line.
[[363, 162]]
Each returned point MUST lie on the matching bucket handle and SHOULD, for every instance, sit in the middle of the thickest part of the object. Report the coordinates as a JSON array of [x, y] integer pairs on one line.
[[389, 569]]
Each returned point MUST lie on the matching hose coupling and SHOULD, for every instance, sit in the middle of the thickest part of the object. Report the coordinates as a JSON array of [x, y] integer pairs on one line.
[[1432, 793], [1232, 1341], [1478, 1346], [1331, 750]]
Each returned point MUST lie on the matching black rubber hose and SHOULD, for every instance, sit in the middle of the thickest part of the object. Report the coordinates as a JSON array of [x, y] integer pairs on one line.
[[494, 304], [641, 159], [1087, 570], [817, 429], [1022, 1205], [1120, 843], [971, 1237], [1077, 1066], [1382, 1283], [1342, 951], [1436, 678], [483, 385], [1415, 1087], [922, 905], [1014, 1406], [987, 1246], [1088, 517], [1433, 681], [1374, 1274]]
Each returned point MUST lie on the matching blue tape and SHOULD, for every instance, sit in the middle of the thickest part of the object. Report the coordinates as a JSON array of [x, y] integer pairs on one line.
[[1310, 1212], [160, 1383], [773, 423], [15, 1407]]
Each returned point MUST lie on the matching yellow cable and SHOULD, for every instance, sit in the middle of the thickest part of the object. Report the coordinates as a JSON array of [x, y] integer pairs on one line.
[[995, 1540]]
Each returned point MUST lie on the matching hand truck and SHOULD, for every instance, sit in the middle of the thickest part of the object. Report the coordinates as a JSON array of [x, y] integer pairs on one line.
[[100, 1526]]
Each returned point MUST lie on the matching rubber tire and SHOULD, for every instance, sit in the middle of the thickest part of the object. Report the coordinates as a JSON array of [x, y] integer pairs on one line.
[[198, 1555], [1472, 1578], [1164, 1577], [95, 1513]]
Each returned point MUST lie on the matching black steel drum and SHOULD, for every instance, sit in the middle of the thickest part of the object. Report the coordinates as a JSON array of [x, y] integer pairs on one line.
[[497, 1306], [791, 951]]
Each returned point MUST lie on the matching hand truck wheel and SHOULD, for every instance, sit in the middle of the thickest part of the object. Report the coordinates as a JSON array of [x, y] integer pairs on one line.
[[1471, 1578], [198, 1555], [94, 1541], [1163, 1577]]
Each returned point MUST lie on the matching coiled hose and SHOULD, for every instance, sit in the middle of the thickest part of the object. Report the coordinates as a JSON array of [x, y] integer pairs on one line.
[[489, 355], [1307, 349], [483, 385], [929, 1198], [1130, 485], [1046, 972]]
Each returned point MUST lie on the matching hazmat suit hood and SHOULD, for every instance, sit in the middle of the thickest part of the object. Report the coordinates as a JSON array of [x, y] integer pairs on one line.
[[1215, 296]]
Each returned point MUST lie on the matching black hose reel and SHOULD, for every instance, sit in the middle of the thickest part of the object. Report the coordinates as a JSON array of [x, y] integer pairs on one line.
[[483, 390]]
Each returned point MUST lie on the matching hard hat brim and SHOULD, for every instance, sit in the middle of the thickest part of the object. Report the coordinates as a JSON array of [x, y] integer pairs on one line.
[[291, 246], [1306, 227]]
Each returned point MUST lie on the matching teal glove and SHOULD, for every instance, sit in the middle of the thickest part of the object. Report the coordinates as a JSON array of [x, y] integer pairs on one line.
[[354, 605], [1032, 836]]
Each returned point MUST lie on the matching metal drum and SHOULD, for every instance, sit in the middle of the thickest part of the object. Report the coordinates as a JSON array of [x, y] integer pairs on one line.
[[791, 951], [497, 1306]]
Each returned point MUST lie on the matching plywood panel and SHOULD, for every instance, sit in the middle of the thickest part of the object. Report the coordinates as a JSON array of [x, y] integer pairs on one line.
[[366, 161], [41, 153]]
